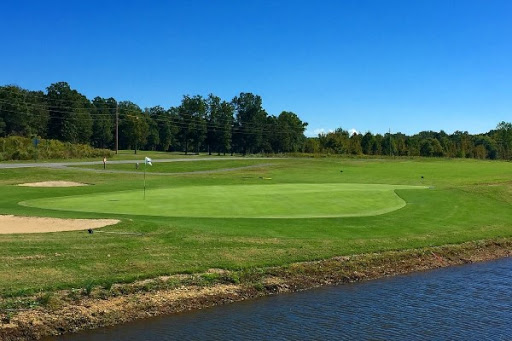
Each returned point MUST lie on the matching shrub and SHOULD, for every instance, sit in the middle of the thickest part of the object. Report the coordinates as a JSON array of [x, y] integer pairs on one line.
[[22, 148]]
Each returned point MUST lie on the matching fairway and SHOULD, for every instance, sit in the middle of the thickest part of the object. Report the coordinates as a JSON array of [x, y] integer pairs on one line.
[[240, 201]]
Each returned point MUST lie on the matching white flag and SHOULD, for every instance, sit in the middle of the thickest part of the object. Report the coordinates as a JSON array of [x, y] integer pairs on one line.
[[147, 160]]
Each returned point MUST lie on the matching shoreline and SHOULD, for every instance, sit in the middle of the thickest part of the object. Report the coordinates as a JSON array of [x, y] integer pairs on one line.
[[70, 311]]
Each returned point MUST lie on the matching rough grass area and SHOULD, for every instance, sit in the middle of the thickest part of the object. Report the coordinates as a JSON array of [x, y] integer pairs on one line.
[[466, 200], [184, 166]]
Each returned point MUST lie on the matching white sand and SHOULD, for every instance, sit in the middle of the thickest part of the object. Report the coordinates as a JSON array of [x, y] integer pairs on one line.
[[16, 224], [53, 184]]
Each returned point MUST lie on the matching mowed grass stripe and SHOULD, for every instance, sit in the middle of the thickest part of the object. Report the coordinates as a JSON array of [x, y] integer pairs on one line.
[[240, 201]]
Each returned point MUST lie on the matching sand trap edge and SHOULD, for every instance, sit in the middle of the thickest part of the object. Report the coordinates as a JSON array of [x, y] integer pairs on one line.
[[10, 224], [53, 184]]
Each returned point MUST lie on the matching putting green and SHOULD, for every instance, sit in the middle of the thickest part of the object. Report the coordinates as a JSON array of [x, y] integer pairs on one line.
[[240, 201]]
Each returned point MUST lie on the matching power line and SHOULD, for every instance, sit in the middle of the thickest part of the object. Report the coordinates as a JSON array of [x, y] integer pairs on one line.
[[117, 128], [48, 116], [249, 125], [98, 114], [49, 107], [92, 106], [231, 128], [178, 124], [44, 97]]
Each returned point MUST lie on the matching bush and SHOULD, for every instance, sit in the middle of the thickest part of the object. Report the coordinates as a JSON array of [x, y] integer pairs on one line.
[[22, 148]]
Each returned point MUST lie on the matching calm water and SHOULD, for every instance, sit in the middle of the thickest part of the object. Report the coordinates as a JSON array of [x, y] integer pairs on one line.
[[471, 302]]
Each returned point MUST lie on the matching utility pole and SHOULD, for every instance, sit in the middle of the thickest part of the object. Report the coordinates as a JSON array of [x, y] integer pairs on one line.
[[390, 142], [117, 128]]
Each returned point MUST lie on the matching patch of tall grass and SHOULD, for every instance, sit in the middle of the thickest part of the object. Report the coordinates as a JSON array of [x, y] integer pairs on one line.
[[22, 148]]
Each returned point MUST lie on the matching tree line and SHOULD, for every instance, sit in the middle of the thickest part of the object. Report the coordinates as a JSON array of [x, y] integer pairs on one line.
[[495, 144], [197, 124], [211, 124]]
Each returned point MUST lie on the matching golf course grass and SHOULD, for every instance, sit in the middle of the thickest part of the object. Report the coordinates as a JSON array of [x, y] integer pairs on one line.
[[288, 211], [181, 166], [240, 201]]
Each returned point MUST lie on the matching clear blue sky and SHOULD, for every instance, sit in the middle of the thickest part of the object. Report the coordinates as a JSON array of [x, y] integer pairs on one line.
[[365, 65]]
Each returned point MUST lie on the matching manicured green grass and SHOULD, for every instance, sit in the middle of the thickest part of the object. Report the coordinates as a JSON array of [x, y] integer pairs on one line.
[[466, 200], [240, 201]]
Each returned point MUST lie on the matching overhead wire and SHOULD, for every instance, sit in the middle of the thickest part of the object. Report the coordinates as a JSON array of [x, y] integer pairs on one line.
[[223, 128], [44, 96], [48, 116], [256, 126], [245, 128], [175, 123], [50, 108], [92, 106]]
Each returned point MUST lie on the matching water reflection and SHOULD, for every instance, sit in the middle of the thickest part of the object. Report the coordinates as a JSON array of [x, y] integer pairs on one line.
[[471, 302]]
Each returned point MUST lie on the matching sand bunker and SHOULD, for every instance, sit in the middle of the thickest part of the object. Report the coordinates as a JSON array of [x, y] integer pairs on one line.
[[53, 184], [15, 224]]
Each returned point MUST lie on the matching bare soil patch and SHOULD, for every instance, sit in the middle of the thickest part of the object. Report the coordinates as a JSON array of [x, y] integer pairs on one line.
[[53, 184], [16, 224]]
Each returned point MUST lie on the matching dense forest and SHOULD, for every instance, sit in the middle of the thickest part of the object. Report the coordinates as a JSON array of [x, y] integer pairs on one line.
[[214, 125]]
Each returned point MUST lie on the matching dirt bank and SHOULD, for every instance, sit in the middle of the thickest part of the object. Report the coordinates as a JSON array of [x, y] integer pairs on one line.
[[69, 311]]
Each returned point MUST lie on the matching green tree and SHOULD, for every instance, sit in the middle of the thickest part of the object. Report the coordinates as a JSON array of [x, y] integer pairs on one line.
[[219, 117], [22, 112], [485, 147], [225, 134], [437, 148], [426, 148], [355, 147], [250, 120], [290, 132], [162, 127], [192, 122], [413, 145], [503, 137], [389, 145], [271, 139], [336, 142], [448, 146], [377, 145], [133, 126], [104, 111], [463, 144], [70, 118], [367, 142], [153, 137], [400, 144], [312, 145]]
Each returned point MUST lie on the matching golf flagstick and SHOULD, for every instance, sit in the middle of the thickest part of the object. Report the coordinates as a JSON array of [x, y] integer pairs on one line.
[[147, 160]]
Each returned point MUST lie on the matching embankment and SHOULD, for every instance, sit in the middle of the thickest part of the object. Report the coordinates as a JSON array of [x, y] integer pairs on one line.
[[71, 311]]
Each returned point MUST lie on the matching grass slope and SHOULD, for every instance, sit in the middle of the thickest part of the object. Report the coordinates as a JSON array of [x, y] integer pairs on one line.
[[468, 200]]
